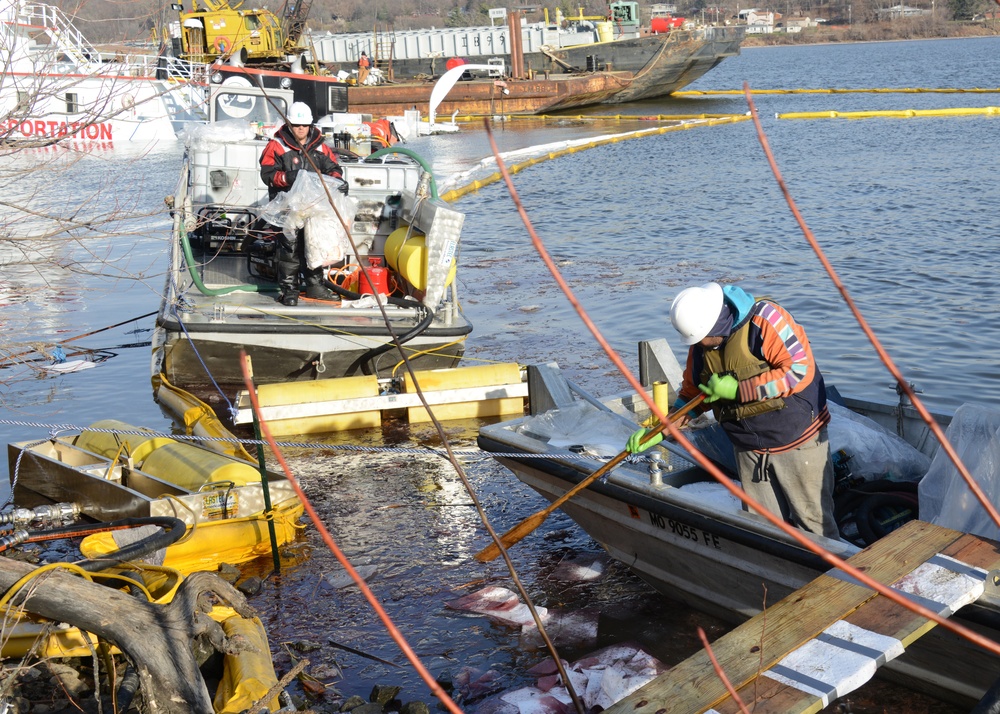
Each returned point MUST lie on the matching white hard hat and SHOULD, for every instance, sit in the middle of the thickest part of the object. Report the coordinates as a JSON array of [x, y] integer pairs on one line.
[[695, 311], [300, 113]]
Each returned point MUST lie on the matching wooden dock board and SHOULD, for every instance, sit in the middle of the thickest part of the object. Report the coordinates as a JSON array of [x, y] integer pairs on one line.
[[828, 637]]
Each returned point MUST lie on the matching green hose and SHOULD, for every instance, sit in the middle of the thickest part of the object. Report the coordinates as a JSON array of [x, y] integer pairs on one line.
[[413, 155], [196, 279]]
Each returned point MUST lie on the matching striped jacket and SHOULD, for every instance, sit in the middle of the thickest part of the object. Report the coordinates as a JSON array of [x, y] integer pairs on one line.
[[777, 339]]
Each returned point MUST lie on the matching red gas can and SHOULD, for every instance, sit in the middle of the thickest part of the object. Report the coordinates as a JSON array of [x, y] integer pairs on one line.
[[378, 276]]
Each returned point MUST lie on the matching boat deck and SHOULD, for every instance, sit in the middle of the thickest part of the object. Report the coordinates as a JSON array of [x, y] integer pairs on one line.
[[829, 637]]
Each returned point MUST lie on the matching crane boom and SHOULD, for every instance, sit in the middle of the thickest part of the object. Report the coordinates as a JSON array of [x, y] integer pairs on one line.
[[295, 15]]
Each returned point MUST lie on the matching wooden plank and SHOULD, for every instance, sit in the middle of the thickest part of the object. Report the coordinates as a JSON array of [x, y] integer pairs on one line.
[[871, 635], [758, 644]]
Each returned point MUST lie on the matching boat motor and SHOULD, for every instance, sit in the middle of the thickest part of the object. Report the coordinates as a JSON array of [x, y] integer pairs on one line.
[[261, 248]]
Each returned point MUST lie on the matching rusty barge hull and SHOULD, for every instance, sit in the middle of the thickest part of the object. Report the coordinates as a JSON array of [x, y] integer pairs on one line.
[[680, 59], [486, 96], [654, 65]]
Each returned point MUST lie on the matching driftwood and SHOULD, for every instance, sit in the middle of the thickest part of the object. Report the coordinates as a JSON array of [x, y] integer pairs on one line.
[[158, 639]]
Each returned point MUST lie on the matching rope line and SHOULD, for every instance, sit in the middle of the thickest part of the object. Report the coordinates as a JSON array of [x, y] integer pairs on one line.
[[893, 595], [54, 430]]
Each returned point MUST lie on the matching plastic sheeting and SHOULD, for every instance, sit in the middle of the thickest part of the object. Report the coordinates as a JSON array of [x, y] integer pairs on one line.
[[306, 205], [945, 498], [875, 451], [580, 424], [209, 137]]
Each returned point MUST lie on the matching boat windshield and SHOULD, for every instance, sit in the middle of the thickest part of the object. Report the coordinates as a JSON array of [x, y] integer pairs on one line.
[[251, 108]]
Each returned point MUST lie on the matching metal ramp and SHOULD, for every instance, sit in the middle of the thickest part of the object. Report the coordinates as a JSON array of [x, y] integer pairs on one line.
[[829, 637]]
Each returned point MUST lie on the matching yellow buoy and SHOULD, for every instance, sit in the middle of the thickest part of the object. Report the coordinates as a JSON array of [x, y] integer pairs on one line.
[[408, 257], [438, 380], [191, 467], [248, 675], [108, 444], [320, 390]]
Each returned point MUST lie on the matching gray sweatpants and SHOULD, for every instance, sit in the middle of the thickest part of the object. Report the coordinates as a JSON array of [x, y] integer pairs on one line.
[[796, 485]]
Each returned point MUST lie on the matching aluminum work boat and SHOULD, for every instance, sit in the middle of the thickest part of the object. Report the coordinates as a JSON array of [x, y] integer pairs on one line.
[[688, 536], [220, 296]]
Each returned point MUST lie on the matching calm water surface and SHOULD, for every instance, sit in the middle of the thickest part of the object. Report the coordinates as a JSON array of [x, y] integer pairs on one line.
[[904, 209]]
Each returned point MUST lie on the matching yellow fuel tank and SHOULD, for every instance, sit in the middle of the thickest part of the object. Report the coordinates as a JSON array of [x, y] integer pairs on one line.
[[408, 257]]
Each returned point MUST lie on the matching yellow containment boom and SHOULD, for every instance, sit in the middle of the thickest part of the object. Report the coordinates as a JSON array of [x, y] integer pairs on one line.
[[905, 90], [327, 405], [895, 114]]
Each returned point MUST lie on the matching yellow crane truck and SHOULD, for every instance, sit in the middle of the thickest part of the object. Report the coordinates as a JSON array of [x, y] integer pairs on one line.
[[214, 29]]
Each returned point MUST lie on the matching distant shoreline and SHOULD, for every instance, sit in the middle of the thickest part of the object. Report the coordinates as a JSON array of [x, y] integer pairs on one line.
[[863, 42], [830, 37]]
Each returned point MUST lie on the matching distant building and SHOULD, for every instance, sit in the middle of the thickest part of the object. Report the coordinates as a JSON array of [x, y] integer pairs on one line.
[[759, 22], [796, 24], [895, 11], [662, 9]]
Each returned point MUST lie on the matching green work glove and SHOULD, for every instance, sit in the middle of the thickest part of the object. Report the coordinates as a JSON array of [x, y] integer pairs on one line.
[[720, 386], [634, 447]]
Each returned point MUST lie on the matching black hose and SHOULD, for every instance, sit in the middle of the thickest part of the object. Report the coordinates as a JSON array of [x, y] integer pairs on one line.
[[351, 295], [881, 513], [127, 689], [364, 360], [859, 504], [171, 530]]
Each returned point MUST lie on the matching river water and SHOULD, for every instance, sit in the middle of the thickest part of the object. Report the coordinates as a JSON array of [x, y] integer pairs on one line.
[[903, 208]]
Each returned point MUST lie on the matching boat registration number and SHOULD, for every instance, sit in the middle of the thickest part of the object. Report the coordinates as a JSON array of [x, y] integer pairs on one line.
[[683, 530]]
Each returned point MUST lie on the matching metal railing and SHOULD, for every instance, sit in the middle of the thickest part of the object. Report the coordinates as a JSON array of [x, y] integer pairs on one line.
[[67, 45]]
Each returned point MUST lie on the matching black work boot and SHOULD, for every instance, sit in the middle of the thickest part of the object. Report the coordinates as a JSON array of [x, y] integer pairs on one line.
[[315, 289], [318, 292], [288, 272]]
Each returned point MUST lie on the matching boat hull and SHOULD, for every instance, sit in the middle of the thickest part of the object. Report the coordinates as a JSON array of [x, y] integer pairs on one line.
[[602, 73], [485, 96], [57, 87], [716, 567], [282, 355], [681, 55]]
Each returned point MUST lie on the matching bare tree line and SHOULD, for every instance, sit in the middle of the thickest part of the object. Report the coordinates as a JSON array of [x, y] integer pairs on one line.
[[117, 21]]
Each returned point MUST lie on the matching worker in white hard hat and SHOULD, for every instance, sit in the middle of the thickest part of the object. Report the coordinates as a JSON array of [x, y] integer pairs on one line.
[[754, 363], [284, 157]]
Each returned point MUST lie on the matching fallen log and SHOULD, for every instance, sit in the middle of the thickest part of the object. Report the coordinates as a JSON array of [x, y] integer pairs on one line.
[[159, 640]]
